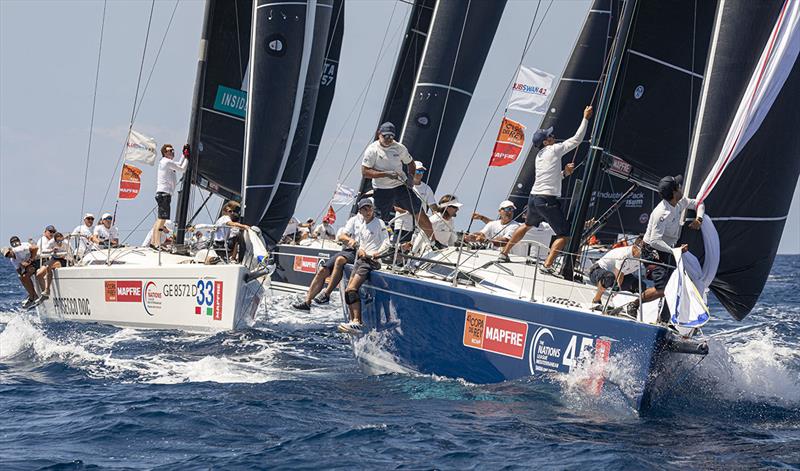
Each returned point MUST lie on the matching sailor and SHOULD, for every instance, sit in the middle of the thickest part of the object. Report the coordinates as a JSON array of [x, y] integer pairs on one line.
[[543, 204], [106, 233], [612, 268], [167, 179], [663, 232], [383, 162], [165, 236], [46, 241], [57, 259], [325, 230], [372, 239], [499, 231], [84, 233], [442, 221], [350, 236], [404, 222], [290, 233], [228, 236], [22, 257]]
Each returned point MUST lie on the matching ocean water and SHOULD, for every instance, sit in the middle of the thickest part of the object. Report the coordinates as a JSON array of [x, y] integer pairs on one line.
[[288, 394]]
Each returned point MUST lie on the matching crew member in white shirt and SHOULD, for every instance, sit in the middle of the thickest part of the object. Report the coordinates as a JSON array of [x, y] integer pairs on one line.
[[22, 256], [499, 231], [105, 232], [164, 237], [442, 222], [324, 231], [227, 236], [543, 204], [663, 232], [383, 162], [47, 240], [84, 233], [372, 239], [165, 186], [404, 222], [612, 268]]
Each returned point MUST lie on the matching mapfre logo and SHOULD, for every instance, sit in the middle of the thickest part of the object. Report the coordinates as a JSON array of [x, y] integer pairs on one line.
[[123, 291], [305, 264], [495, 334]]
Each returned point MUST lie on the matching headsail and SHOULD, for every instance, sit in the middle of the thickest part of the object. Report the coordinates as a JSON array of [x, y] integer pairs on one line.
[[744, 160], [286, 59]]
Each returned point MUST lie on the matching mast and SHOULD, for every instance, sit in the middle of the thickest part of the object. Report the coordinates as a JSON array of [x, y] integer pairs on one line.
[[593, 160], [194, 128]]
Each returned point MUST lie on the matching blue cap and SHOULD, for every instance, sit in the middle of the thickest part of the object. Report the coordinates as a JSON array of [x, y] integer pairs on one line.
[[386, 129], [667, 185], [540, 135]]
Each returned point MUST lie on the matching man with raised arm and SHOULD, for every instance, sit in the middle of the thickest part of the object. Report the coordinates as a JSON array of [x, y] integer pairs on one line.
[[498, 231], [167, 179], [543, 204]]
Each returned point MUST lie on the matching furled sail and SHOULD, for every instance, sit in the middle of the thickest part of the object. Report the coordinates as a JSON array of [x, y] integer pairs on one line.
[[217, 161], [459, 41], [744, 162], [286, 60], [327, 84], [575, 90]]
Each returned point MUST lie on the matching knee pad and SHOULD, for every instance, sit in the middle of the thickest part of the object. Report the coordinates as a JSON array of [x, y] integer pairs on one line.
[[351, 297]]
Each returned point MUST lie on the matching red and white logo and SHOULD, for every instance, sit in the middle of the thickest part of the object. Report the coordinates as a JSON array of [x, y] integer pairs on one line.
[[123, 291], [305, 264], [495, 334]]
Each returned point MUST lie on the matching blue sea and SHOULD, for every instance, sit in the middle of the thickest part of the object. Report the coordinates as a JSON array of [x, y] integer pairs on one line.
[[289, 394]]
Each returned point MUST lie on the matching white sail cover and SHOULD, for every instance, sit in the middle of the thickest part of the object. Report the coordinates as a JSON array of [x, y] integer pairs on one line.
[[140, 148], [685, 301], [767, 80]]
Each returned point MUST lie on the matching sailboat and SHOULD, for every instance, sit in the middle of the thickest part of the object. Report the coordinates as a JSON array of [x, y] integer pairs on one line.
[[251, 113], [461, 314]]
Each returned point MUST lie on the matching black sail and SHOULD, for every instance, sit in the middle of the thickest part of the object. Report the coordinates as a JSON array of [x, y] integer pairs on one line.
[[574, 91], [750, 201], [459, 41], [287, 53], [327, 85], [220, 140], [405, 71]]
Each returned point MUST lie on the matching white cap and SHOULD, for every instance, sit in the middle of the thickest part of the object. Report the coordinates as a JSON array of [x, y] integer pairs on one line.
[[453, 202], [506, 204], [420, 165], [107, 216], [88, 215]]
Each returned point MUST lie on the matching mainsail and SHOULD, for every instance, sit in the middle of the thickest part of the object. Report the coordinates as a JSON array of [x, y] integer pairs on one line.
[[575, 90], [744, 161], [286, 60]]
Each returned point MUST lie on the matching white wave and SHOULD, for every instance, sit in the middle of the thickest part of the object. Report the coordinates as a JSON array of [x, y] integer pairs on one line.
[[373, 351], [278, 313]]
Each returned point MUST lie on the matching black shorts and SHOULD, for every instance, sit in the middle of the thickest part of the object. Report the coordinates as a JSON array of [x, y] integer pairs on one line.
[[601, 275], [163, 200], [548, 209], [364, 266], [348, 254], [660, 274], [401, 196]]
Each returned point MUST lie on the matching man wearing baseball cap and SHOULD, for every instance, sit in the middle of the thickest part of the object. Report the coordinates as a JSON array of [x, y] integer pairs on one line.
[[442, 221], [84, 233], [383, 162], [404, 222], [499, 231], [105, 232], [543, 203], [22, 257], [46, 241], [663, 232]]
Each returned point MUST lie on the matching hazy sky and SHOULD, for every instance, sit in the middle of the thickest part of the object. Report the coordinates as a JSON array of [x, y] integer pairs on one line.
[[48, 54]]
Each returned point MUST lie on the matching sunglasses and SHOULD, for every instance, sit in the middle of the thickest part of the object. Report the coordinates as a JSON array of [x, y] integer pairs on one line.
[[91, 219], [365, 207], [169, 150], [50, 232], [16, 243], [420, 172], [510, 208]]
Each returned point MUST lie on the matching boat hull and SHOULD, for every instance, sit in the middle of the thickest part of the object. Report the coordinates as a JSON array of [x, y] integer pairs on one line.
[[433, 328], [192, 297], [296, 265]]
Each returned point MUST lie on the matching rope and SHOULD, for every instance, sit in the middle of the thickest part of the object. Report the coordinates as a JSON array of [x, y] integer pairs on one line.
[[94, 101]]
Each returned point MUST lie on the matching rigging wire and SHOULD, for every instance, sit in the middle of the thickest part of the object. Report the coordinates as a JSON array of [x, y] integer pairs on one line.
[[94, 102]]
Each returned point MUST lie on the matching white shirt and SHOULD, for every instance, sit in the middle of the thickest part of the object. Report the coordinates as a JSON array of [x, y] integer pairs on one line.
[[167, 177], [224, 231], [620, 259], [46, 245], [85, 231], [664, 226], [548, 164], [387, 159], [405, 222], [22, 253], [496, 229], [443, 230], [291, 227], [371, 236], [324, 231], [147, 240], [106, 234]]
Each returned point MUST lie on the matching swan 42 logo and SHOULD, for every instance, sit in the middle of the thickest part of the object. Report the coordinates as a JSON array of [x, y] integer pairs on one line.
[[209, 299]]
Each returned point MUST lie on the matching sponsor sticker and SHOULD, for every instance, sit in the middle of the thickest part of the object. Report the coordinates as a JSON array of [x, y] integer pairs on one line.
[[231, 101], [209, 299], [123, 291], [495, 334], [153, 297], [72, 306], [554, 349], [305, 264]]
